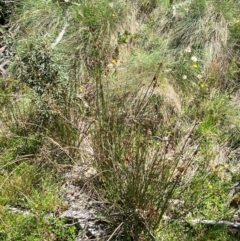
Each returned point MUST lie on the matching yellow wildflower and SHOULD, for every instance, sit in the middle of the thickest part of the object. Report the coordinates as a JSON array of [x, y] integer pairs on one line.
[[113, 15], [202, 85], [36, 206], [114, 61], [195, 66], [210, 186]]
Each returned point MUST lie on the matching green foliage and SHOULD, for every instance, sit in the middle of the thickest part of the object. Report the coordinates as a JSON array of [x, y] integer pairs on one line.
[[8, 87], [122, 37], [35, 67], [235, 31], [186, 232], [147, 6], [143, 94], [34, 227], [197, 9], [97, 15], [5, 11], [26, 184], [21, 145], [229, 9], [214, 113]]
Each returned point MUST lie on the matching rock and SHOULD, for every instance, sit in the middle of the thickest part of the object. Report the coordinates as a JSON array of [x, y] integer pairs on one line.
[[82, 205]]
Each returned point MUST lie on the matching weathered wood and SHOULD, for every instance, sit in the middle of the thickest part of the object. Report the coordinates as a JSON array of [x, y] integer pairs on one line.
[[216, 222], [194, 222]]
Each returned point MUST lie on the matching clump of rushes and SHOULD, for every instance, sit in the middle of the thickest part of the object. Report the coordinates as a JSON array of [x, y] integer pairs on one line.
[[140, 161]]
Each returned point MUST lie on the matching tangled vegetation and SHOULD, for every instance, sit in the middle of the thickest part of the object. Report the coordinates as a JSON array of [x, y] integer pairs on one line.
[[146, 92]]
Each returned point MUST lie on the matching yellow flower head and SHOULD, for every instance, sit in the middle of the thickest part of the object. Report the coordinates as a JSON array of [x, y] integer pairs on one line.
[[114, 61], [210, 186], [36, 206], [113, 15], [202, 85], [195, 66]]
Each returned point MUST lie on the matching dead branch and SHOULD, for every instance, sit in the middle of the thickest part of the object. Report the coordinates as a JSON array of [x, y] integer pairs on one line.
[[193, 222], [228, 224]]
